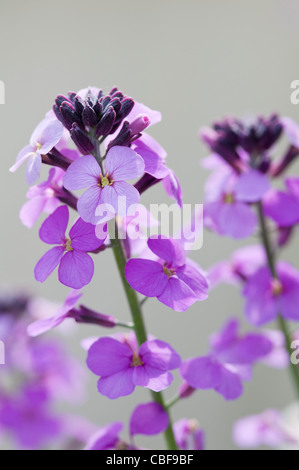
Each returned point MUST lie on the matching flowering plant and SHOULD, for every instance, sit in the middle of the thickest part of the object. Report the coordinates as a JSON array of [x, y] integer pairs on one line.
[[114, 162]]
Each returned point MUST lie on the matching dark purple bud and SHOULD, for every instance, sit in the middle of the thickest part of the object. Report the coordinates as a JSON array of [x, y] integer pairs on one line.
[[82, 140], [145, 182], [106, 123], [114, 90], [86, 315], [117, 94], [61, 99], [89, 117], [97, 109], [55, 158], [69, 115]]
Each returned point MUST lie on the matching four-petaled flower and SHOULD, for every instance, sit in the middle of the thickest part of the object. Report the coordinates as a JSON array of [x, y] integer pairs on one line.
[[175, 280], [76, 267]]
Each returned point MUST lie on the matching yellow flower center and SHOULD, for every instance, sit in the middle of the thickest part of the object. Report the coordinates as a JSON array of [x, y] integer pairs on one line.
[[168, 272], [38, 146], [68, 245], [136, 361], [105, 181], [229, 198], [277, 287]]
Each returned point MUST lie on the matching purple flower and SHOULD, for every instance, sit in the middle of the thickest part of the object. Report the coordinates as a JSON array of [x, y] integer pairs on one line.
[[227, 210], [76, 267], [122, 365], [267, 428], [107, 188], [44, 138], [266, 297], [228, 363], [148, 419], [107, 438], [42, 198], [27, 417], [173, 279], [188, 434]]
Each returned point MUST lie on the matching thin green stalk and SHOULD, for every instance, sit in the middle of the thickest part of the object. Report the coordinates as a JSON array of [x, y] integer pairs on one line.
[[139, 326], [271, 263]]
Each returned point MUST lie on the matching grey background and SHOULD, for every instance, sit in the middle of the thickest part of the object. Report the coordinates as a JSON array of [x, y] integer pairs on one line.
[[195, 61]]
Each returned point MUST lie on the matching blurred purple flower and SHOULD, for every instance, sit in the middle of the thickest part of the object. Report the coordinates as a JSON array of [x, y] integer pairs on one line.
[[266, 428], [228, 363]]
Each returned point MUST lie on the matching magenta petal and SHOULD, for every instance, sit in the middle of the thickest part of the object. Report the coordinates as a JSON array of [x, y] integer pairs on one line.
[[154, 164], [76, 269], [25, 153], [48, 263], [41, 326], [194, 279], [53, 229], [122, 164], [177, 295], [82, 173], [201, 372], [230, 386], [117, 385], [106, 438], [251, 186], [146, 276], [84, 237], [107, 356], [160, 382], [148, 419], [167, 249], [88, 204], [160, 355]]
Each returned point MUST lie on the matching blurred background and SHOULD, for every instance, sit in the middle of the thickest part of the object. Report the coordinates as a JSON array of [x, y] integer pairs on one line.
[[195, 61]]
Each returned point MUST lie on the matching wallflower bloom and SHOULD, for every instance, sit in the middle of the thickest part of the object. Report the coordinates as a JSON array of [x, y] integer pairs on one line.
[[283, 206], [122, 365], [44, 138], [76, 267], [266, 297], [174, 280], [121, 164], [267, 428], [188, 434], [228, 363]]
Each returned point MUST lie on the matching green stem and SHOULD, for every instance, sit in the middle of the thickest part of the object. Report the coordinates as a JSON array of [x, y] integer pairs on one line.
[[271, 263], [139, 326]]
